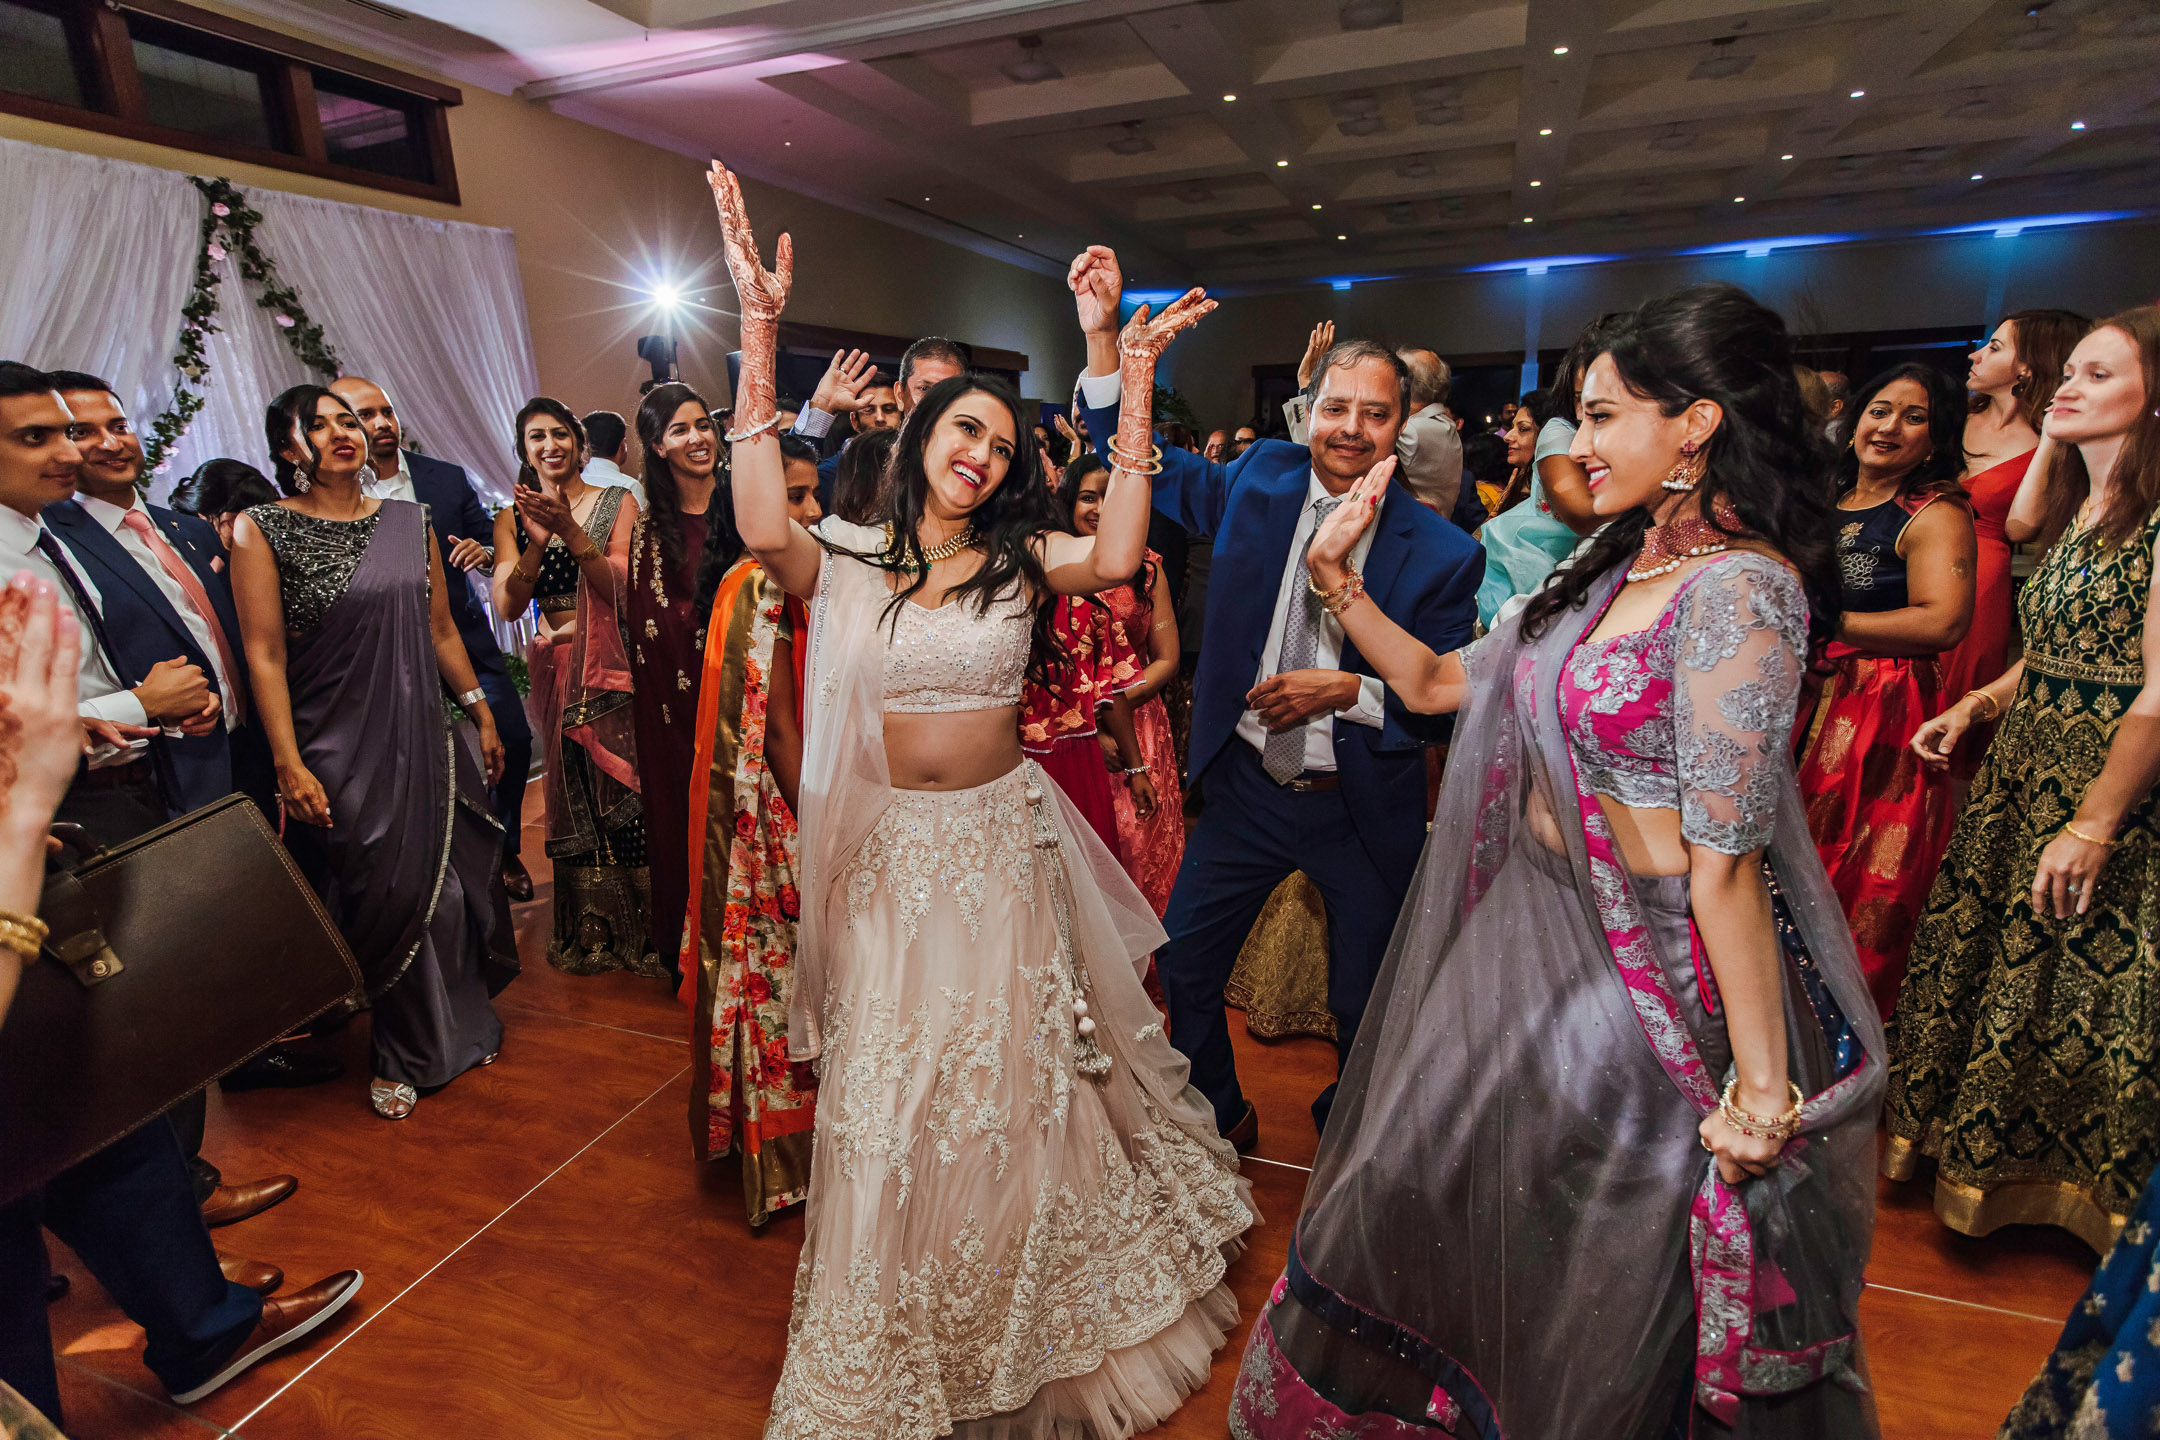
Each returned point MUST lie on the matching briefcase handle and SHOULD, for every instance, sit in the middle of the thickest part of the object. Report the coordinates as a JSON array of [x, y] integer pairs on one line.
[[76, 931]]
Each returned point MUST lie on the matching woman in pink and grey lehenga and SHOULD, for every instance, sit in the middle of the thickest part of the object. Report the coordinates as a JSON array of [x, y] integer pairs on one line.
[[1513, 1226]]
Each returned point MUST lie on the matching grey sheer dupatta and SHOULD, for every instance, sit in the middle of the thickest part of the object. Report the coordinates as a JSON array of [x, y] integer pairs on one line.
[[1512, 1227]]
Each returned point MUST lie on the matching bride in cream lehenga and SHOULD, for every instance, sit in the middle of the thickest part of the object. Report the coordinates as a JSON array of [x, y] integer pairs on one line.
[[1019, 1214]]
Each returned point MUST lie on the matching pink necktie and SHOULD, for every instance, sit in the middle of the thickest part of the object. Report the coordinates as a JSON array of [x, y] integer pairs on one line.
[[184, 576]]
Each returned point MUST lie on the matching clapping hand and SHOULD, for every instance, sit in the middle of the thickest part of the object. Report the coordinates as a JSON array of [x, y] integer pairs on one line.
[[1316, 348], [762, 293], [840, 390], [1329, 557], [1147, 336], [544, 513], [40, 735]]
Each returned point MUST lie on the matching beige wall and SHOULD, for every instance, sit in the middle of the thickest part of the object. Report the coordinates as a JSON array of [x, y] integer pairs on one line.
[[594, 211], [1943, 280]]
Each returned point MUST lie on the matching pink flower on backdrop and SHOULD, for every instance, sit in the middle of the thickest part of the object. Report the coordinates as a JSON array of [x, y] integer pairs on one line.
[[285, 322], [221, 211], [217, 251]]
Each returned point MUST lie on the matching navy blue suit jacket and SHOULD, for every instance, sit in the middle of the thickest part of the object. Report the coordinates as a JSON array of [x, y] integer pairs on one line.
[[1421, 571], [456, 513], [144, 628]]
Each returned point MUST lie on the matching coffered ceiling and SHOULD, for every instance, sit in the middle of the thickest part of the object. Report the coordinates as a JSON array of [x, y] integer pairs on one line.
[[1257, 143]]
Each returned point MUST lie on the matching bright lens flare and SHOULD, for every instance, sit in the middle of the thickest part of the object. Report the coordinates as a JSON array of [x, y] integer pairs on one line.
[[667, 297]]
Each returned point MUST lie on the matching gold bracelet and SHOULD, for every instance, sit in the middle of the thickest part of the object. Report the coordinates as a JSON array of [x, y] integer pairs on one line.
[[1343, 596], [1779, 1128], [2070, 828], [23, 934], [1994, 708]]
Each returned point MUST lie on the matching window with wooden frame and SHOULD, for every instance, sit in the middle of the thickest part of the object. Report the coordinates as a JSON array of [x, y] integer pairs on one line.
[[170, 74]]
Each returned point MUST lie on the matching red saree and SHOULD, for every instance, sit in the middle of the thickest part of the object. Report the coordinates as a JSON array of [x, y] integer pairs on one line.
[[1152, 848], [1057, 718], [738, 939]]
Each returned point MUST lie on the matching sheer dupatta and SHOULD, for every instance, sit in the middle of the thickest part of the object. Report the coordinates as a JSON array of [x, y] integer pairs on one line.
[[583, 694], [1524, 1094]]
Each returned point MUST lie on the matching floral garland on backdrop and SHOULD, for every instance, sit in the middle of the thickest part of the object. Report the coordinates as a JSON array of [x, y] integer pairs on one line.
[[229, 217]]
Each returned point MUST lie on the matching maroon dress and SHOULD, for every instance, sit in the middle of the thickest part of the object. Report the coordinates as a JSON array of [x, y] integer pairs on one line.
[[667, 646]]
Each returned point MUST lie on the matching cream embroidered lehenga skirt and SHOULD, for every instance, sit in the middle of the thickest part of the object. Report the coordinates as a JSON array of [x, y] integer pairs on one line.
[[998, 1244]]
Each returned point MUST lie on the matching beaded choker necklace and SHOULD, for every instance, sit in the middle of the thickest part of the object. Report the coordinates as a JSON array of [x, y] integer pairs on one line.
[[957, 545], [1683, 538]]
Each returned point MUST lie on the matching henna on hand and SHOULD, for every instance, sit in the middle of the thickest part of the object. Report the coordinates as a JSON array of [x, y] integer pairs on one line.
[[762, 294], [1140, 345]]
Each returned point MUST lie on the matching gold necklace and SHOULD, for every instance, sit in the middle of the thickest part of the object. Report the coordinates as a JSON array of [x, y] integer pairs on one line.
[[957, 545]]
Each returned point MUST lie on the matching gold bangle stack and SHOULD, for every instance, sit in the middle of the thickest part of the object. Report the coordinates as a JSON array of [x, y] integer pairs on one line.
[[1994, 706], [1131, 464], [1779, 1128], [1343, 596], [2070, 828], [23, 934]]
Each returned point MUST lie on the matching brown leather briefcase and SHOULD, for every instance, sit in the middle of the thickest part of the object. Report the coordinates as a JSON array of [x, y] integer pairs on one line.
[[172, 959]]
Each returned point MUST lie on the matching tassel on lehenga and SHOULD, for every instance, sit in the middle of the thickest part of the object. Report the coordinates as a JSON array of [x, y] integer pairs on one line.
[[1088, 1059]]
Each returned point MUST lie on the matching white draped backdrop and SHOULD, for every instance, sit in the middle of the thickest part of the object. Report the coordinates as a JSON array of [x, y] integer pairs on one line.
[[96, 257]]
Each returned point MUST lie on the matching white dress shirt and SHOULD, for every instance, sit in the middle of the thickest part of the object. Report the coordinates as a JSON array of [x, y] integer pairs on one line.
[[113, 518], [602, 471], [1101, 392], [98, 691], [397, 485]]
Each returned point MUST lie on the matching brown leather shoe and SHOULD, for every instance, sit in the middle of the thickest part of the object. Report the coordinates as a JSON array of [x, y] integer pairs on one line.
[[229, 1204], [1245, 1134], [517, 880], [285, 1321], [261, 1277]]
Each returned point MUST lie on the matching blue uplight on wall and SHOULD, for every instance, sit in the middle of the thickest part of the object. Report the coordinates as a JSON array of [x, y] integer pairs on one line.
[[1760, 247], [1153, 299], [1537, 265], [2007, 228]]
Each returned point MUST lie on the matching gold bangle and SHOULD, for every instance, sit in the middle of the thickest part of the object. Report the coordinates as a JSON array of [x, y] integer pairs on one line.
[[1343, 596], [1994, 707], [23, 934], [2070, 828], [1779, 1128]]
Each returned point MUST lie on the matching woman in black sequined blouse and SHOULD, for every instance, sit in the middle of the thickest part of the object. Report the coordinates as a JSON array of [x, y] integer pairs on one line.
[[566, 545], [350, 646]]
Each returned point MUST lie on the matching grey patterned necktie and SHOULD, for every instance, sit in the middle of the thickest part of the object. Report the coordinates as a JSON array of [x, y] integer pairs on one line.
[[1283, 757]]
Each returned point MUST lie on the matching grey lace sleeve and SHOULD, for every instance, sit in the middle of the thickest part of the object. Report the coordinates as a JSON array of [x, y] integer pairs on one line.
[[1741, 635]]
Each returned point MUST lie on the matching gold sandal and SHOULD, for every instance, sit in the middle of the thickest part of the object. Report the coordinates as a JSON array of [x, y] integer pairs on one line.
[[392, 1101]]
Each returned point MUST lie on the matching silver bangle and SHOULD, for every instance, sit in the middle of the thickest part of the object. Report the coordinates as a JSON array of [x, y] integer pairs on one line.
[[754, 430], [470, 698], [1135, 770]]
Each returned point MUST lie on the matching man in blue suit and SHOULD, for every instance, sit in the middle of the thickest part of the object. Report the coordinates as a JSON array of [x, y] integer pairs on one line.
[[465, 533], [1302, 758]]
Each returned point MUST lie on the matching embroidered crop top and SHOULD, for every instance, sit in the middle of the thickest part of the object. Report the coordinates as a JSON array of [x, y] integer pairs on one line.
[[1693, 713], [957, 657]]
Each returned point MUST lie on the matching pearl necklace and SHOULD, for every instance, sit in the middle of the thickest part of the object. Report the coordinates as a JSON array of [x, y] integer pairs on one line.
[[1687, 537]]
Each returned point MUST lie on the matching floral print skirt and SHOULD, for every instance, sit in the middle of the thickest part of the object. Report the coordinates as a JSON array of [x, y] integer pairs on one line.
[[997, 1244]]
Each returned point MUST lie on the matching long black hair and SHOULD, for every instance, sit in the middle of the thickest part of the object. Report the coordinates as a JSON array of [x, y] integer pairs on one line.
[[1006, 523], [1717, 342], [222, 487], [663, 493], [861, 476], [287, 417], [1947, 408]]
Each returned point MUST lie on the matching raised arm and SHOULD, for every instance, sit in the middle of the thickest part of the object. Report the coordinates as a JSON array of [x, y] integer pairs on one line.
[[784, 548], [2028, 508], [1425, 682], [1084, 564]]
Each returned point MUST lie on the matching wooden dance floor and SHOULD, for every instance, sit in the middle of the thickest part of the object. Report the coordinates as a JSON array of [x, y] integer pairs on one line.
[[544, 1259]]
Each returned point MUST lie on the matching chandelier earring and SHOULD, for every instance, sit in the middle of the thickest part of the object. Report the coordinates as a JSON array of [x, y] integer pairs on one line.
[[301, 483], [1687, 471]]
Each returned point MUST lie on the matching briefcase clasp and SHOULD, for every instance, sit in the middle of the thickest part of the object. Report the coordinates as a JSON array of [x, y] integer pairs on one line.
[[87, 957]]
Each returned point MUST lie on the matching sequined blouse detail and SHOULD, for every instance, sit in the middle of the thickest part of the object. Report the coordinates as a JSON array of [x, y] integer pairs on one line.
[[315, 558], [956, 657], [556, 589], [1692, 712]]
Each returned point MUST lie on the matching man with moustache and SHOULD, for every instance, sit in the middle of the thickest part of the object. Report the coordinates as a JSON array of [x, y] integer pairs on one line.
[[128, 1211], [1302, 758], [463, 532]]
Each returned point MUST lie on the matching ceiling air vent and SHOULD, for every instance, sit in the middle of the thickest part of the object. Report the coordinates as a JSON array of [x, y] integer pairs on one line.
[[1132, 142], [1033, 67]]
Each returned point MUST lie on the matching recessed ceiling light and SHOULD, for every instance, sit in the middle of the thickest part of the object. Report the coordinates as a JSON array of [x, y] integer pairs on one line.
[[1546, 131], [1342, 237], [788, 143], [1559, 49], [2077, 124], [1535, 183], [1228, 98], [1784, 157], [1527, 220], [1282, 164], [1858, 93], [1738, 198], [1978, 176]]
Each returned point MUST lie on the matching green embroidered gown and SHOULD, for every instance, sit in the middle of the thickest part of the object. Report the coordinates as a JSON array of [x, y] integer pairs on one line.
[[2023, 1052]]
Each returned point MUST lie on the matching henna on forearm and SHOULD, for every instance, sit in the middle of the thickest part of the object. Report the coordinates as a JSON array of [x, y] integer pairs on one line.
[[756, 397], [1136, 405]]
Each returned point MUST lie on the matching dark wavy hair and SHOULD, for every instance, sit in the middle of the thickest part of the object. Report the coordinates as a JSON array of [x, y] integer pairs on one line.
[[541, 405], [663, 492], [1938, 473], [859, 478], [1717, 342], [1005, 523], [2045, 339], [222, 487], [287, 414]]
